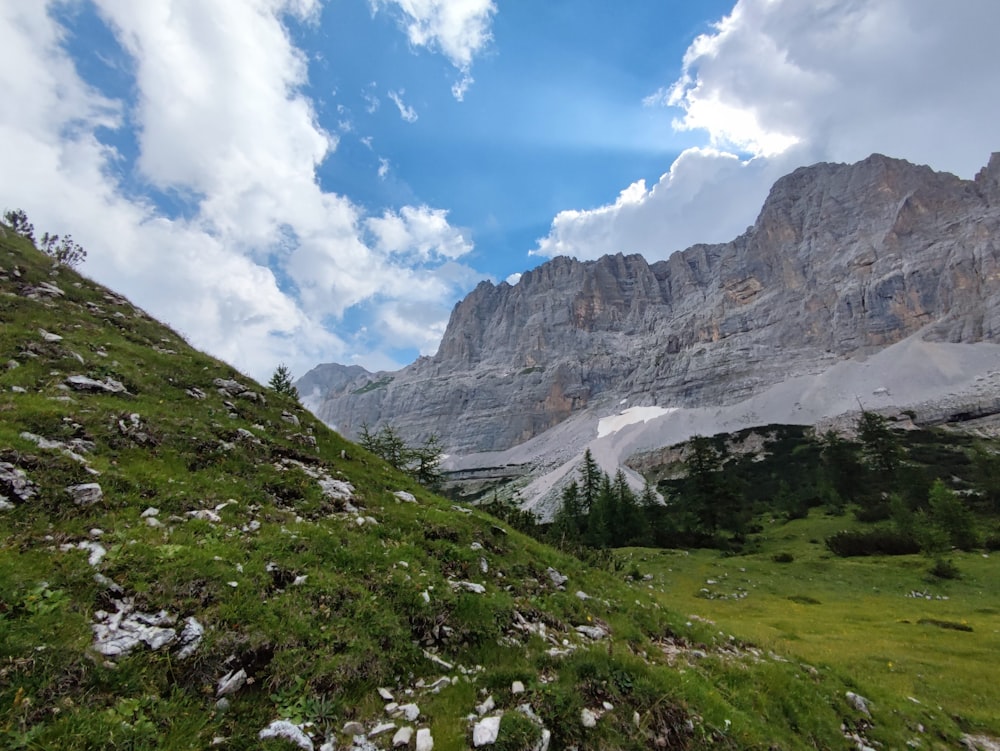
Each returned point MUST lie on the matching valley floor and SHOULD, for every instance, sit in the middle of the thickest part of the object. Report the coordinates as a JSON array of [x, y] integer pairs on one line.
[[882, 622]]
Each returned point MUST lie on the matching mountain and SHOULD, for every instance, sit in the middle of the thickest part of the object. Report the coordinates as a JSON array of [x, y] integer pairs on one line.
[[842, 262]]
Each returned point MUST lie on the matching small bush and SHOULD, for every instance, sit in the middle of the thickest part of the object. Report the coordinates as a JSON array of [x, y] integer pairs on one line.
[[992, 542], [943, 569], [782, 557], [873, 542]]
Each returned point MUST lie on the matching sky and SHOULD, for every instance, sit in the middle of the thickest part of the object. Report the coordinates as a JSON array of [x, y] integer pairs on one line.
[[309, 181]]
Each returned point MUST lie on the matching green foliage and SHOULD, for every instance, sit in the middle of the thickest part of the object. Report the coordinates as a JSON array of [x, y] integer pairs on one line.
[[64, 250], [17, 220], [878, 541], [379, 383], [879, 443], [281, 382], [421, 461]]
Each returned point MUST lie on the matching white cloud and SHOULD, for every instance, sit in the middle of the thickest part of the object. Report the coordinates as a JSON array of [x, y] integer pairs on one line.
[[383, 167], [459, 29], [405, 111], [784, 83], [513, 278], [266, 255], [423, 233]]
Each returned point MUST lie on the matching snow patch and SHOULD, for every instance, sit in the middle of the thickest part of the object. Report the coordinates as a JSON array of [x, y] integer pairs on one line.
[[630, 416]]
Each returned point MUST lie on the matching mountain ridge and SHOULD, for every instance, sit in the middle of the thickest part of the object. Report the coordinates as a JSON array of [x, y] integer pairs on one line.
[[842, 261]]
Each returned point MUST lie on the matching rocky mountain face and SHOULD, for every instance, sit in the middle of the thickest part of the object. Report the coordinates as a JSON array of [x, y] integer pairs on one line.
[[842, 261]]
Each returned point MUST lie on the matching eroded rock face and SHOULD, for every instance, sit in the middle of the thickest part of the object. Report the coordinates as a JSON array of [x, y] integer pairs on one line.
[[842, 260]]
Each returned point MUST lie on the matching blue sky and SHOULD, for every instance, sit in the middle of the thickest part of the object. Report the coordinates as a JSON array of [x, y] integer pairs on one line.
[[307, 181]]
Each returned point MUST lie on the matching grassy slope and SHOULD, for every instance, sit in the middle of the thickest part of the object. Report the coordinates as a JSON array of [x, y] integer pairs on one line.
[[854, 617], [318, 651]]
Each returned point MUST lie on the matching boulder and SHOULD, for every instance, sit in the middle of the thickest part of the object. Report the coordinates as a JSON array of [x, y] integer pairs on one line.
[[486, 731]]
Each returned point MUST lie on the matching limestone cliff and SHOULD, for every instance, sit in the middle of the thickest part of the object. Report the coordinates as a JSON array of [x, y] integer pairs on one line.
[[843, 260]]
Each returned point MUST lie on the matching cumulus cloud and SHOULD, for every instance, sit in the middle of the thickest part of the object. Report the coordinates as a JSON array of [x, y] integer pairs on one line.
[[422, 232], [405, 111], [459, 29], [779, 83], [262, 256]]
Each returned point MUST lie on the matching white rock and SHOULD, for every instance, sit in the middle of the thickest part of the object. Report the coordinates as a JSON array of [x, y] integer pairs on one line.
[[231, 682], [402, 737], [49, 337], [86, 494], [478, 589], [386, 694], [382, 727], [426, 595], [204, 514], [859, 702], [410, 711], [425, 742], [476, 546], [190, 637], [486, 731], [486, 706], [608, 706], [557, 578], [543, 742], [97, 551], [151, 511], [288, 731], [517, 687], [587, 718], [582, 595], [439, 684], [405, 497], [353, 728], [594, 632]]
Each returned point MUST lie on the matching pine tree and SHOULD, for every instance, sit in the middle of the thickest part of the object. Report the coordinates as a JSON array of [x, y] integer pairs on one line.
[[590, 481], [281, 381]]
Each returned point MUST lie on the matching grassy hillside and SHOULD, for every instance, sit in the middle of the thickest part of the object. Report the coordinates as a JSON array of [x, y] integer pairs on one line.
[[187, 558]]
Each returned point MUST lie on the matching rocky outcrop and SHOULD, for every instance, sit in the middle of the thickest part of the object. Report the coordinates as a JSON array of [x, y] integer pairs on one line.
[[843, 260]]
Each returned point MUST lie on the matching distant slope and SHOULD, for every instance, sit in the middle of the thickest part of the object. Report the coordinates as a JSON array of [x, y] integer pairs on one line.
[[188, 560]]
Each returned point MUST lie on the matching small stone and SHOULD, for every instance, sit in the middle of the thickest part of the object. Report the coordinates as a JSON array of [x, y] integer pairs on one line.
[[405, 497], [354, 728], [151, 511], [486, 732], [381, 728], [288, 731], [587, 718], [425, 742], [49, 337], [231, 682], [608, 706], [402, 737], [410, 711], [386, 694], [222, 704], [557, 578], [86, 494], [859, 702], [486, 706], [517, 687]]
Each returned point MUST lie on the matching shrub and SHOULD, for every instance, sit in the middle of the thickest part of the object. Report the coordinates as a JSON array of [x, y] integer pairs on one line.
[[782, 557], [943, 569], [880, 541]]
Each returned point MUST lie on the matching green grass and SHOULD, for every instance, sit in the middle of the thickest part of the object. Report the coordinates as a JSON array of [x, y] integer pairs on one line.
[[852, 617], [319, 650]]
